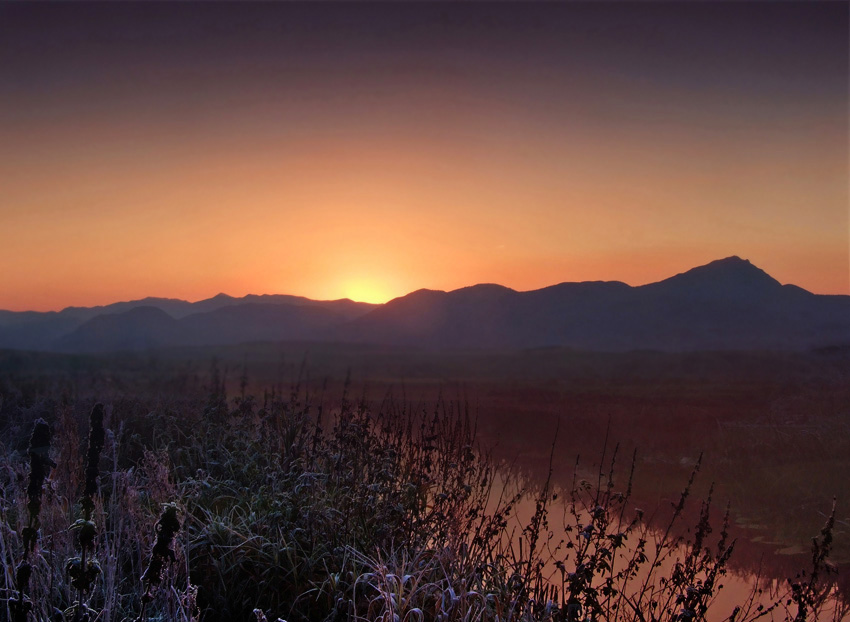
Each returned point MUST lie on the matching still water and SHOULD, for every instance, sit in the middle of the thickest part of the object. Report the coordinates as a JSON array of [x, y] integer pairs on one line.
[[658, 565]]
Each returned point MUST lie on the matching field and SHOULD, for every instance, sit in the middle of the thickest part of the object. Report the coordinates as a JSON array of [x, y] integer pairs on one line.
[[327, 482]]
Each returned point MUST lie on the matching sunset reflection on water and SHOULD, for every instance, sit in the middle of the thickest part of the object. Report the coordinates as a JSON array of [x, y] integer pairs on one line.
[[754, 584]]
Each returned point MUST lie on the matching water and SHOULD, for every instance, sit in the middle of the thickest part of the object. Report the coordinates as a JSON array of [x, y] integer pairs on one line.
[[578, 542]]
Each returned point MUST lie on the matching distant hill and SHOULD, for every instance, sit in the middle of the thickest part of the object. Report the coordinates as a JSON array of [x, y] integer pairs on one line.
[[143, 324], [728, 304], [140, 328], [143, 328]]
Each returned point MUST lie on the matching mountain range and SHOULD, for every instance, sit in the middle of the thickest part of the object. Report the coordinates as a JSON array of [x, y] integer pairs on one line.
[[728, 304]]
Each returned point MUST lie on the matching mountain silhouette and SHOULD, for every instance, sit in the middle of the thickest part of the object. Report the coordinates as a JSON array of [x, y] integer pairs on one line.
[[726, 304], [180, 308], [140, 328], [728, 278], [145, 328]]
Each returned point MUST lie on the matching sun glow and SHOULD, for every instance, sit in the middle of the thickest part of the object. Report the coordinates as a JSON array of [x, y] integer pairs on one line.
[[367, 290]]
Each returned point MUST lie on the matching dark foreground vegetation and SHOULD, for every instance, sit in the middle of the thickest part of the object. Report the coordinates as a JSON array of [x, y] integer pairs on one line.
[[180, 503]]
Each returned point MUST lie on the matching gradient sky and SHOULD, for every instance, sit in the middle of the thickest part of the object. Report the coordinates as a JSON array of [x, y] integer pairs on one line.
[[367, 150]]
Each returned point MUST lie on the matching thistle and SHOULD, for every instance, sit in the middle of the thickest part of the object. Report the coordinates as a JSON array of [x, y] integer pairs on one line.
[[83, 570], [166, 528], [40, 465]]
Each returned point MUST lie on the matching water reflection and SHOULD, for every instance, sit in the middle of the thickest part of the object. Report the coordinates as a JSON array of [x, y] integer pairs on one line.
[[608, 559]]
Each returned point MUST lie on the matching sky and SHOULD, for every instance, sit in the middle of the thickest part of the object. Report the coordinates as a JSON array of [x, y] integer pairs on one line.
[[368, 150]]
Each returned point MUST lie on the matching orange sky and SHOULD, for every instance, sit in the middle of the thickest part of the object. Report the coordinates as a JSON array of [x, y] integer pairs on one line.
[[191, 177]]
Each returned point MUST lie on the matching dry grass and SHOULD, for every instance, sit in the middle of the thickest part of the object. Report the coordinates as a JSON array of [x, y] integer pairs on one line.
[[296, 507]]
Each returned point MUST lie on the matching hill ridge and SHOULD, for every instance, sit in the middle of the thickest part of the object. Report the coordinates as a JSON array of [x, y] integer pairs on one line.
[[726, 304]]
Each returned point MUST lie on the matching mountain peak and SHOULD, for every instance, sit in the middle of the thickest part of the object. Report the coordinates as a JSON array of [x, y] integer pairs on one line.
[[722, 278], [732, 266], [734, 262]]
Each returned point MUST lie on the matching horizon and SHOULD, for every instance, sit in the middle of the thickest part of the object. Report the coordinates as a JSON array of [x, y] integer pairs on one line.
[[366, 150], [742, 260], [380, 301]]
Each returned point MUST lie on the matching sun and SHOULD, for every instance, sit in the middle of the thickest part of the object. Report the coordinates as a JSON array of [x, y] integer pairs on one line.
[[367, 290]]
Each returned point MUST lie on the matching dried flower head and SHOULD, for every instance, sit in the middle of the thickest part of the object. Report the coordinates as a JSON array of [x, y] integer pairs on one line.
[[40, 465], [166, 528], [97, 437]]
